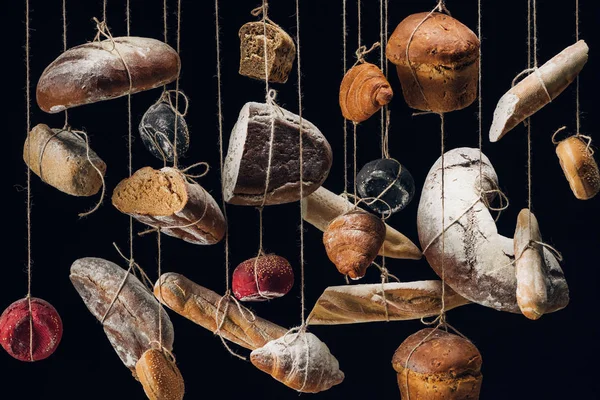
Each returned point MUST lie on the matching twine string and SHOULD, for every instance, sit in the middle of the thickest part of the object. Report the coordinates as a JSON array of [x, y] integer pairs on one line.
[[345, 69], [28, 201], [227, 298], [175, 155], [577, 100], [64, 38]]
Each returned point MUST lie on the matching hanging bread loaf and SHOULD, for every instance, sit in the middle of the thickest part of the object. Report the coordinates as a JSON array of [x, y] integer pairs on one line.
[[97, 71], [538, 89], [478, 262], [165, 199], [532, 285], [131, 325], [441, 72], [353, 240], [438, 366], [364, 90], [354, 304], [578, 164], [300, 361], [59, 158], [160, 376], [323, 206], [280, 51], [256, 158], [202, 305]]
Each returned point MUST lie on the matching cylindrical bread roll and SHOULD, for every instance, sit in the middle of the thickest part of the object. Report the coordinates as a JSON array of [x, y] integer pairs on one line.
[[97, 71], [579, 166], [165, 199], [59, 157], [443, 56], [442, 366], [160, 376]]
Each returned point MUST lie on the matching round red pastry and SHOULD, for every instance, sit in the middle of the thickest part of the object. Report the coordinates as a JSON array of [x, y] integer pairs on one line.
[[14, 329], [274, 277]]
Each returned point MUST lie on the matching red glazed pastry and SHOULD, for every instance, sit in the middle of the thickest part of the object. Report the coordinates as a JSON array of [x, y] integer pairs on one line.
[[274, 276], [14, 329]]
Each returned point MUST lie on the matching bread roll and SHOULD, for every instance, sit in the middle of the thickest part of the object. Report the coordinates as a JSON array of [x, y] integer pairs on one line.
[[165, 199], [250, 148], [579, 167], [281, 52], [96, 71], [132, 323], [478, 262], [160, 376], [300, 361], [443, 55], [323, 206], [364, 90], [59, 157], [443, 367]]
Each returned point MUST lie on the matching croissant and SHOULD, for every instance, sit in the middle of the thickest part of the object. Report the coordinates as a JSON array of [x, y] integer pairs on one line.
[[353, 240], [300, 361], [579, 166], [159, 376], [364, 90]]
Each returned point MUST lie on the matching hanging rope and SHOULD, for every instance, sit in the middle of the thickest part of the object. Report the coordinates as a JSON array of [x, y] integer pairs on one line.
[[28, 127], [345, 68], [577, 105], [302, 281], [479, 95], [175, 155], [104, 11], [64, 37]]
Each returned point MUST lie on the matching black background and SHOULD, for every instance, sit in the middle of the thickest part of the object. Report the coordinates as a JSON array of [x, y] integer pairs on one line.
[[554, 357]]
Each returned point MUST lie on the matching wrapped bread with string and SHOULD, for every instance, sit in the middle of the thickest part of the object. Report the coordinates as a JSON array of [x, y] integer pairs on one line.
[[265, 44], [378, 302], [167, 200], [363, 91], [63, 159], [262, 166], [577, 161], [542, 86], [323, 206], [477, 262], [300, 361], [433, 364], [128, 311], [106, 69], [436, 57]]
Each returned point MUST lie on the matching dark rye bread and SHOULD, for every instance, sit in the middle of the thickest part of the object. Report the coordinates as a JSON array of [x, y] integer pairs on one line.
[[478, 261], [442, 366], [95, 72], [132, 323], [247, 161], [443, 54], [165, 199]]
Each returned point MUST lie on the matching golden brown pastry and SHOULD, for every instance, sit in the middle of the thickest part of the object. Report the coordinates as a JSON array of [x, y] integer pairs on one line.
[[159, 376], [364, 90], [579, 166]]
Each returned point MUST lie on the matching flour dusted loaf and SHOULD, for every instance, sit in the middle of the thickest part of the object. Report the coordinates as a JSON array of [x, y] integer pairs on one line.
[[300, 361], [96, 71], [59, 157], [201, 305], [132, 323], [442, 367], [280, 52], [165, 199], [478, 262], [395, 301], [250, 148], [443, 55]]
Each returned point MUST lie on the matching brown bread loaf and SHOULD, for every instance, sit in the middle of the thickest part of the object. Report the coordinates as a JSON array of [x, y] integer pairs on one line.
[[363, 91], [443, 367], [96, 71], [160, 376], [281, 52], [579, 166], [247, 167], [165, 199], [131, 325], [201, 306], [59, 157], [443, 55]]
